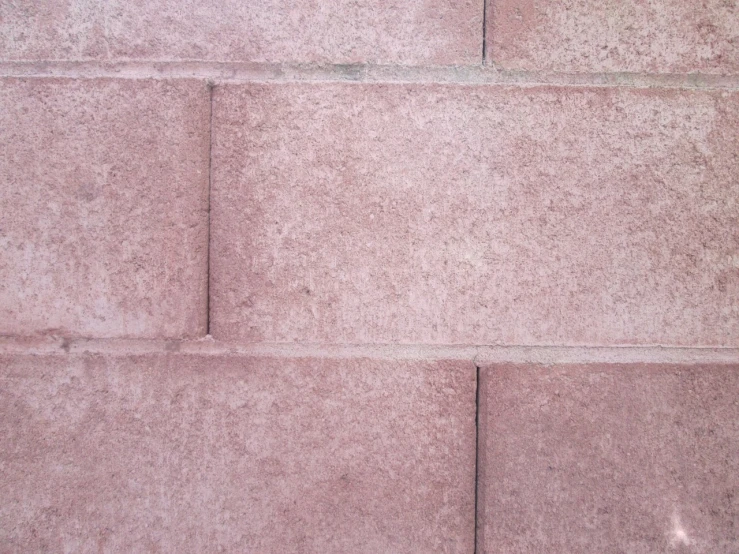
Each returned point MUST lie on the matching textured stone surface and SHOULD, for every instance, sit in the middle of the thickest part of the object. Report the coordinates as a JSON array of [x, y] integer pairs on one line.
[[663, 36], [343, 31], [475, 214], [103, 207], [182, 453], [602, 458], [52, 29]]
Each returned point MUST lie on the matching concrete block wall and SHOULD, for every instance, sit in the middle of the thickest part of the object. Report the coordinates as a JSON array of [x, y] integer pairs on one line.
[[385, 276]]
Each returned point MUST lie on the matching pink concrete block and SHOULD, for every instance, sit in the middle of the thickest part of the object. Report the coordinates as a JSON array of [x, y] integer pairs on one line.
[[342, 31], [475, 214], [103, 207], [182, 453], [662, 36], [52, 29], [606, 458]]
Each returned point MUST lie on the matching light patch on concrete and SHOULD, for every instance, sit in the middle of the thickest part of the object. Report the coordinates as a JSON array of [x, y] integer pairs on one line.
[[678, 534]]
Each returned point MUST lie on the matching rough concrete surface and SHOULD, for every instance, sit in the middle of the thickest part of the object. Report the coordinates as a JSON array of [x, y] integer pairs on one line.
[[376, 276], [103, 207], [306, 31], [182, 453], [448, 214], [661, 36], [608, 458]]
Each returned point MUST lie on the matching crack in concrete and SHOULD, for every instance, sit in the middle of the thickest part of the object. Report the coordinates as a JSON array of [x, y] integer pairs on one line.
[[210, 85]]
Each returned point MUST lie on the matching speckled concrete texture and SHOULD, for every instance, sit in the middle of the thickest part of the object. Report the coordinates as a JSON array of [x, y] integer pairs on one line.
[[342, 31], [103, 207], [382, 276], [609, 459], [179, 453], [475, 214], [661, 36]]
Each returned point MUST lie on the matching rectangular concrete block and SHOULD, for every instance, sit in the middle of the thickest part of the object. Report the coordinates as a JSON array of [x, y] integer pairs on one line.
[[103, 207], [426, 213], [608, 458], [210, 453], [307, 31], [659, 36]]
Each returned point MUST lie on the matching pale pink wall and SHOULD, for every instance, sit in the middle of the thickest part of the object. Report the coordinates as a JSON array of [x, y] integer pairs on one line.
[[377, 276]]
